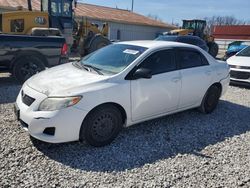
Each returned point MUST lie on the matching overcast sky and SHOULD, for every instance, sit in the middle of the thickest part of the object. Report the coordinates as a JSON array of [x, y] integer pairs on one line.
[[177, 10]]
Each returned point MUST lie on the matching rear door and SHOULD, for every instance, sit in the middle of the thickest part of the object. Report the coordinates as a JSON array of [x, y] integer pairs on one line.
[[196, 76], [160, 94]]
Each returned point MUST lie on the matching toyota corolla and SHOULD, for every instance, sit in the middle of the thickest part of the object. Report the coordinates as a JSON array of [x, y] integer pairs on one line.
[[118, 86]]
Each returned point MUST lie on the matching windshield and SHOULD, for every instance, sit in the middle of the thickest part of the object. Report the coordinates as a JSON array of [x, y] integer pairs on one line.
[[166, 38], [114, 58], [245, 52]]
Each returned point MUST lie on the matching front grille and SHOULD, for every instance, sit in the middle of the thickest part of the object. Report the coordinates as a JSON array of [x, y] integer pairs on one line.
[[240, 75], [239, 67], [27, 99]]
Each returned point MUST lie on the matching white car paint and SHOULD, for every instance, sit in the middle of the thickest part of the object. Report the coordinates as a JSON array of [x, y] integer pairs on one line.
[[142, 99], [239, 65]]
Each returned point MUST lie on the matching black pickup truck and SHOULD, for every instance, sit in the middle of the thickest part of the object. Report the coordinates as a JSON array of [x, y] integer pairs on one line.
[[25, 55]]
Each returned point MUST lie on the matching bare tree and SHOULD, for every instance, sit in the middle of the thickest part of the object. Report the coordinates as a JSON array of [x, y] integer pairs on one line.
[[222, 20]]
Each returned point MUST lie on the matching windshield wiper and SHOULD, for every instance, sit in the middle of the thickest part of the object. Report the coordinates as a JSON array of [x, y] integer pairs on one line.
[[94, 68], [79, 65]]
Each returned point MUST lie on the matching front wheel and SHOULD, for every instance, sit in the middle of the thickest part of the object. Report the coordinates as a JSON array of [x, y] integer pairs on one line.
[[101, 126], [210, 100]]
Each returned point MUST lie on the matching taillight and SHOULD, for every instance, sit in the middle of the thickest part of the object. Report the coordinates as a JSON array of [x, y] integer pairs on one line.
[[64, 50]]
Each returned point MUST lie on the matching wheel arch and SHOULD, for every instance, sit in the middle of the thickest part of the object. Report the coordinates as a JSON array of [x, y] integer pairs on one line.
[[118, 106]]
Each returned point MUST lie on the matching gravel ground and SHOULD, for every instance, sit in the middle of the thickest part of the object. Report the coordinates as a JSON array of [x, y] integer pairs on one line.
[[187, 149]]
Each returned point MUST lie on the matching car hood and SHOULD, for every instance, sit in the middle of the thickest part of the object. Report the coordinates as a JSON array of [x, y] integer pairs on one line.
[[239, 60], [63, 79]]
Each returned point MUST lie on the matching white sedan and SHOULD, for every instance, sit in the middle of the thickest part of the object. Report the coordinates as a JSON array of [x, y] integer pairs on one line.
[[118, 86], [240, 66]]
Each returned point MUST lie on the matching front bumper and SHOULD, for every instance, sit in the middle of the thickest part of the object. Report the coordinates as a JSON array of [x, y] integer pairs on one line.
[[240, 75], [66, 122]]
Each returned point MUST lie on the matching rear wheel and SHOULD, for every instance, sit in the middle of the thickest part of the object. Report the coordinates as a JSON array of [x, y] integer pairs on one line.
[[213, 49], [25, 67], [101, 126], [210, 100]]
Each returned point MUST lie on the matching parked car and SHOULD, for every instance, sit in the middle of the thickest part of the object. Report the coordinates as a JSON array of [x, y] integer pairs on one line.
[[118, 86], [234, 48], [24, 55], [240, 66], [194, 40]]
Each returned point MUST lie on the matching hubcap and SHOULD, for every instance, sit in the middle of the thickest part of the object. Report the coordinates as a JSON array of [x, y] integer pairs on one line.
[[103, 127]]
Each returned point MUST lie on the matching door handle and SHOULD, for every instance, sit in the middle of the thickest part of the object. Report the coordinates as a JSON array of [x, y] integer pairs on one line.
[[176, 79]]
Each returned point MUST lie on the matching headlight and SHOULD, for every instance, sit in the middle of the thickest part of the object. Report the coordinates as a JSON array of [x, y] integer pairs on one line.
[[57, 103]]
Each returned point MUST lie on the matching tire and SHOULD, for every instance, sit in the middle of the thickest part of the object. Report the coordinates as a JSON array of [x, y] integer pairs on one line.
[[25, 67], [213, 49], [210, 100], [101, 126], [98, 42]]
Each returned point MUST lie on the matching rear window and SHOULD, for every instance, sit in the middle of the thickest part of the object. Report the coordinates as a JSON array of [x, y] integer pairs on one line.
[[190, 58]]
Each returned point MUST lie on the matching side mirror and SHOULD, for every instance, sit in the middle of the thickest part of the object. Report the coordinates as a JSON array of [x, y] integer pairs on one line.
[[142, 73]]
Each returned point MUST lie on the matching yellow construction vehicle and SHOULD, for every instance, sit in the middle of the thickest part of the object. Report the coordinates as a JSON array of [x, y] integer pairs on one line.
[[56, 17], [197, 28]]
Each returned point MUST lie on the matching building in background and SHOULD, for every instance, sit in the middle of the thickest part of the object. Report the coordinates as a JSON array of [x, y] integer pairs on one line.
[[123, 24]]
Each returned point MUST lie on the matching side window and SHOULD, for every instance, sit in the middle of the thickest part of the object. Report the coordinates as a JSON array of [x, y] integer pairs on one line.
[[160, 62], [17, 25], [189, 59]]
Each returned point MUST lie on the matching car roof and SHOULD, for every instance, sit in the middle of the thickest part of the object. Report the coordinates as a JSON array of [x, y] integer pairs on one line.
[[157, 44]]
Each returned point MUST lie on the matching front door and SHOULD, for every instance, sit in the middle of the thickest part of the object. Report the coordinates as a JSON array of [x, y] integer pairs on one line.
[[160, 94]]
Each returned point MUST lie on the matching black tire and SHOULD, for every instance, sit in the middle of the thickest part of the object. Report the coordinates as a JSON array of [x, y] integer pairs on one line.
[[25, 67], [98, 42], [213, 49], [210, 99], [101, 126]]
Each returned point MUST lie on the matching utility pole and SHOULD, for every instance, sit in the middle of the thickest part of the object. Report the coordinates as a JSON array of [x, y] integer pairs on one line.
[[132, 9]]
